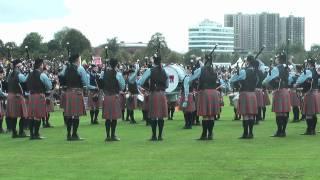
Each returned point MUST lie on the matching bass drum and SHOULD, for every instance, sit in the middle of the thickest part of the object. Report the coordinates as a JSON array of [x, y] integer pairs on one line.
[[175, 74]]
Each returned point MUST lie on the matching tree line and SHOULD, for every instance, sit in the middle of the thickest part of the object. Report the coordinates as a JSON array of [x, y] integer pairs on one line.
[[72, 40]]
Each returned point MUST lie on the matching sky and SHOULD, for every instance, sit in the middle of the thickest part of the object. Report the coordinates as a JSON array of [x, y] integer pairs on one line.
[[137, 20]]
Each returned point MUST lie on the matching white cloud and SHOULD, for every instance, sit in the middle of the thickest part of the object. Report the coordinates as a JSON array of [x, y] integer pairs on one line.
[[134, 21]]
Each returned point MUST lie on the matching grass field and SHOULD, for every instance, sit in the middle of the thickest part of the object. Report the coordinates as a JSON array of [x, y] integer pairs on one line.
[[179, 156]]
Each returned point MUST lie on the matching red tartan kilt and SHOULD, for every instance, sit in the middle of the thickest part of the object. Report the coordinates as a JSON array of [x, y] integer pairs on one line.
[[191, 107], [260, 98], [74, 103], [311, 105], [2, 110], [91, 102], [145, 103], [158, 105], [37, 107], [62, 99], [295, 101], [247, 104], [266, 99], [50, 105], [208, 103], [111, 107], [122, 101], [281, 101], [16, 106], [132, 102]]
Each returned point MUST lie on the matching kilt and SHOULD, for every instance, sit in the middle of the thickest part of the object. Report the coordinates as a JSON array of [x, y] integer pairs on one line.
[[191, 107], [311, 105], [62, 99], [294, 99], [94, 104], [132, 102], [111, 107], [2, 109], [281, 101], [266, 99], [37, 107], [122, 100], [247, 104], [260, 98], [16, 106], [50, 105], [74, 103], [158, 105], [145, 103], [208, 103]]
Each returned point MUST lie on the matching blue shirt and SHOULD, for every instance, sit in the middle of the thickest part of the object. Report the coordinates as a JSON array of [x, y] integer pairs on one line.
[[120, 79], [83, 75], [133, 76], [235, 78], [146, 75], [46, 81], [274, 74]]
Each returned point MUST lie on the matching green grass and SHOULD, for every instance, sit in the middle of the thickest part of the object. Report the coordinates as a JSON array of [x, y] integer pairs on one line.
[[179, 156]]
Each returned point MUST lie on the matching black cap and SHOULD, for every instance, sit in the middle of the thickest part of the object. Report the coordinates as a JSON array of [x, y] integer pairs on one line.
[[16, 62], [113, 62], [37, 63], [1, 70], [73, 58], [282, 57]]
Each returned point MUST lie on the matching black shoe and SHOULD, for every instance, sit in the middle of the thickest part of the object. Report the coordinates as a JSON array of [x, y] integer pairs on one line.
[[210, 138], [115, 138], [283, 134], [37, 137], [133, 122], [276, 135], [95, 122], [250, 136], [160, 138], [75, 137], [69, 137], [153, 138], [107, 139], [23, 135], [202, 138], [306, 133], [243, 137]]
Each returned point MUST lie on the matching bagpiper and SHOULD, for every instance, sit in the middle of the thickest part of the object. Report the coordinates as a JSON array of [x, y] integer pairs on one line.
[[132, 101], [94, 98], [38, 83], [278, 79], [3, 97], [112, 82], [16, 104], [247, 104], [311, 105], [75, 80], [158, 107], [208, 100]]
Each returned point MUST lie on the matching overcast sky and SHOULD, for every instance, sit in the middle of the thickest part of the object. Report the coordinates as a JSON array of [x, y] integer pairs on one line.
[[137, 20]]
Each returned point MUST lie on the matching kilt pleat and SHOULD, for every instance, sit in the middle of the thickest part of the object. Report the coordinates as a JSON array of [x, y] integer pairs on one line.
[[158, 105], [74, 103], [94, 104], [132, 102], [311, 104], [111, 107], [37, 107], [247, 104], [62, 99], [16, 106], [145, 103], [208, 103], [281, 101], [260, 97], [191, 106], [266, 99], [2, 109], [122, 100], [294, 99]]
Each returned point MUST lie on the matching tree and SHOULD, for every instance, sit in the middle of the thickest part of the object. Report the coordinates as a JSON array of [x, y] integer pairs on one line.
[[158, 42], [113, 47], [2, 49], [33, 41], [78, 43]]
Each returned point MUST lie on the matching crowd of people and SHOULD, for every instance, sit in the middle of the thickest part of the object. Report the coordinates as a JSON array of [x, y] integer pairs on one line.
[[31, 89]]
